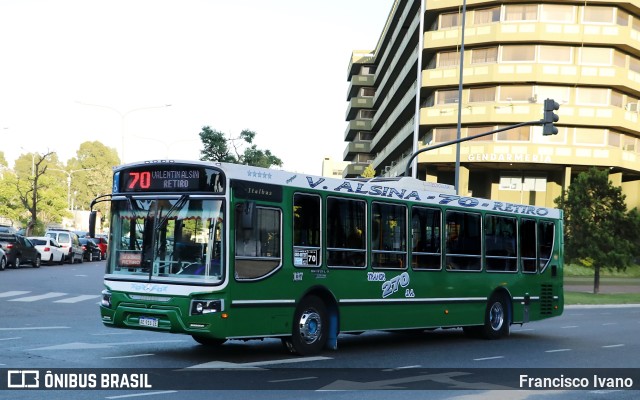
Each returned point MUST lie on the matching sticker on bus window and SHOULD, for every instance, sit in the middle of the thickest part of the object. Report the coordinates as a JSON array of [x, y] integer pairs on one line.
[[304, 257], [129, 259]]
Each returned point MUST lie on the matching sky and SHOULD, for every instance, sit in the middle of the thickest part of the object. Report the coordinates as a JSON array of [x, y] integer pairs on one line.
[[145, 76]]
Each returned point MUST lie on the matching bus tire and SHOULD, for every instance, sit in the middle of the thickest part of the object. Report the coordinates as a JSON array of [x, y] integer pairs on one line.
[[496, 319], [207, 341], [310, 327]]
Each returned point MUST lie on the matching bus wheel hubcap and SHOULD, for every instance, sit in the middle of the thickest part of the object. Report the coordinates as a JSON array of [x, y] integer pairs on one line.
[[496, 316], [310, 326]]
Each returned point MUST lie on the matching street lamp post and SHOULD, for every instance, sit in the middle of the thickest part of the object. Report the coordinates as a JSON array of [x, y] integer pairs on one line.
[[69, 173], [122, 118]]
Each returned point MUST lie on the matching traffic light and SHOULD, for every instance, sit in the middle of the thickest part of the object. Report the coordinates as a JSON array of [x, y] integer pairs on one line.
[[550, 117]]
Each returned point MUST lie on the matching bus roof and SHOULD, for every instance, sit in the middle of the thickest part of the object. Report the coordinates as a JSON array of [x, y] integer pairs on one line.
[[405, 188]]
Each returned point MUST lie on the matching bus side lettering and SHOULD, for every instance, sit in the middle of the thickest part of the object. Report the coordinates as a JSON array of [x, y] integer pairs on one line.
[[391, 286]]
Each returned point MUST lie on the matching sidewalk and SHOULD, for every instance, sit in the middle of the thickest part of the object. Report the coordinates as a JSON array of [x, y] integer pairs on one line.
[[607, 285]]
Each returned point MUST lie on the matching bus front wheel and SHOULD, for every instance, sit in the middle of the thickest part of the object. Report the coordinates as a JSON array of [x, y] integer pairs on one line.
[[310, 328]]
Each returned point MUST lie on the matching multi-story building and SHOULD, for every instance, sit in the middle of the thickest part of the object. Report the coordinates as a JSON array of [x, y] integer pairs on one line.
[[585, 55]]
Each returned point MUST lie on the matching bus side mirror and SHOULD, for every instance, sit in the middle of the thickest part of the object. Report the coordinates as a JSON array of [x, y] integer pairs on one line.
[[248, 216], [92, 223]]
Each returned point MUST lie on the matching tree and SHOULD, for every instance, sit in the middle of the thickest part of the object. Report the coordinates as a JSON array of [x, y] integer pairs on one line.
[[27, 188], [597, 230], [217, 147], [368, 172]]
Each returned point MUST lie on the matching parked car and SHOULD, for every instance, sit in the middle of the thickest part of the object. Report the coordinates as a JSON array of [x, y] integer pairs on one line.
[[91, 250], [50, 250], [7, 229], [103, 245], [3, 260], [19, 250], [69, 242]]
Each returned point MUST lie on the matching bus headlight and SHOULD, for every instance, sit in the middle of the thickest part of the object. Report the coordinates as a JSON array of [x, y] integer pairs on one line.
[[199, 307], [106, 299]]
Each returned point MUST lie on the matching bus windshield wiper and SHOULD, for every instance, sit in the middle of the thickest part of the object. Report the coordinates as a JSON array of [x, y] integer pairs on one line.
[[178, 205]]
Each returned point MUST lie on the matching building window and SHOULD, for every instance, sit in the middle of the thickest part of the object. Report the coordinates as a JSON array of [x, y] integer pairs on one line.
[[447, 96], [597, 14], [367, 92], [367, 70], [486, 16], [477, 130], [558, 13], [482, 94], [511, 183], [613, 139], [448, 59], [366, 114], [616, 99], [561, 94], [521, 134], [634, 65], [516, 94], [592, 96], [519, 12], [518, 53], [559, 138], [445, 134], [364, 136], [555, 54], [450, 20], [635, 24], [622, 17], [628, 143], [485, 55], [619, 59], [595, 56], [589, 136]]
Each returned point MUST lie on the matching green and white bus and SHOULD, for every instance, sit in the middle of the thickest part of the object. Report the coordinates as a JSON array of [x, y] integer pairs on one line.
[[225, 251]]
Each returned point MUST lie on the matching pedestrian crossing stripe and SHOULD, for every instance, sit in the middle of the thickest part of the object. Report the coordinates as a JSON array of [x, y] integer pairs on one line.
[[19, 296]]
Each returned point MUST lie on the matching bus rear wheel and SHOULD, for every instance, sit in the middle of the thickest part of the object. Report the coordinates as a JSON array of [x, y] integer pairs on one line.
[[207, 341], [496, 320], [310, 327]]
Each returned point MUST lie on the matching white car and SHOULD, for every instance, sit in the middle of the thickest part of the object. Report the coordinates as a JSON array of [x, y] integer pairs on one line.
[[50, 250]]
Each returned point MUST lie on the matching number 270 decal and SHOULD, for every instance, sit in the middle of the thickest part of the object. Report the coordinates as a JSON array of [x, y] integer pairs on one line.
[[392, 285]]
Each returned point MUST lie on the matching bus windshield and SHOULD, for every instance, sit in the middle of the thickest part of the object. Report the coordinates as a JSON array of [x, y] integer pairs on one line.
[[167, 238]]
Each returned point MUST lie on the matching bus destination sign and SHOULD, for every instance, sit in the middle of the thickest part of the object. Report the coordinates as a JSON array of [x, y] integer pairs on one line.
[[168, 180]]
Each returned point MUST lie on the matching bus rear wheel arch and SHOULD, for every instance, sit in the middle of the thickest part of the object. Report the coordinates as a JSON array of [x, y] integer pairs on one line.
[[310, 328]]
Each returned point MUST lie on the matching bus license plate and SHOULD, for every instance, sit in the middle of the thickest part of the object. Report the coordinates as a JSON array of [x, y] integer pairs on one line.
[[146, 321]]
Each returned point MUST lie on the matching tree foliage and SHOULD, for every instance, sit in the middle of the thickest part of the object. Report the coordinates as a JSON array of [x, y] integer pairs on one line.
[[240, 150], [598, 229], [368, 172]]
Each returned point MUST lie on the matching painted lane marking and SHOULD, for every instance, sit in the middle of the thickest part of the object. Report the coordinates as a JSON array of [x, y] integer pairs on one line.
[[488, 358], [40, 297], [78, 299], [569, 327], [257, 364], [13, 293], [34, 328], [89, 346], [294, 379], [124, 396], [131, 356], [612, 346], [12, 338], [610, 323], [557, 350]]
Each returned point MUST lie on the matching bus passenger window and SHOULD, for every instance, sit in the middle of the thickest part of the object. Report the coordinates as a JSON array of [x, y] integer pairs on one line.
[[389, 235], [501, 252], [528, 245], [463, 241], [346, 219], [306, 230], [425, 233], [257, 248], [545, 242]]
